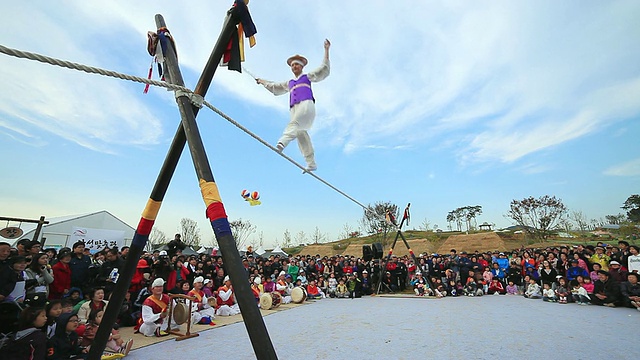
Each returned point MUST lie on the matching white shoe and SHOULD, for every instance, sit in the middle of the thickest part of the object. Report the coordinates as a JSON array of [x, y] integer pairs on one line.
[[310, 169], [280, 147]]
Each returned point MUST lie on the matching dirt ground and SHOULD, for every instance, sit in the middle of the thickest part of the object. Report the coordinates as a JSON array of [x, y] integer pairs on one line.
[[382, 327]]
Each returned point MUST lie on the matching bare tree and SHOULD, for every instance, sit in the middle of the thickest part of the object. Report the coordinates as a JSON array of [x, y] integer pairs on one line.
[[156, 238], [260, 239], [189, 232], [616, 219], [301, 238], [347, 230], [287, 241], [537, 217], [580, 220], [241, 229], [317, 236], [425, 225]]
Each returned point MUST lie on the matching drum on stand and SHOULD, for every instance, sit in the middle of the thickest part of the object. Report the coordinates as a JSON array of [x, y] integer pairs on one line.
[[298, 295]]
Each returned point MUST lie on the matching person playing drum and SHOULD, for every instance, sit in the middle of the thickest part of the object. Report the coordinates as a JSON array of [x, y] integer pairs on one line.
[[202, 312]]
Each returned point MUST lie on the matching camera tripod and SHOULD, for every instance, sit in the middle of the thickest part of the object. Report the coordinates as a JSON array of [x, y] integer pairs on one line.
[[391, 219]]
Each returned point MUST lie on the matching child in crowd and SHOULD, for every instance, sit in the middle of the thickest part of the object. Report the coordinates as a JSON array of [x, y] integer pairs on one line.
[[65, 343], [67, 306], [496, 287], [439, 288], [562, 290], [594, 274], [29, 342], [54, 310], [579, 294], [452, 289], [487, 275], [512, 289], [341, 289], [333, 285], [588, 285], [420, 285], [547, 293], [533, 290]]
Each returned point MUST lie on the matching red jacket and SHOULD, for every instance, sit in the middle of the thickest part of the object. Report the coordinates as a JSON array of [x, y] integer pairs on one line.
[[171, 281], [61, 280]]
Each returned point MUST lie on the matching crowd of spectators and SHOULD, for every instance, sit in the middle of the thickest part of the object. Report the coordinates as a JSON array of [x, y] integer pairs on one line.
[[63, 294]]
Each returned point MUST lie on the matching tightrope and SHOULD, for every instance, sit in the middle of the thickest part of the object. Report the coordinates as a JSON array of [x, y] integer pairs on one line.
[[109, 73]]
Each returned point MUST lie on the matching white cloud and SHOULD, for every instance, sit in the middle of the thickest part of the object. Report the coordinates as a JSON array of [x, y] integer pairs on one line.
[[629, 168]]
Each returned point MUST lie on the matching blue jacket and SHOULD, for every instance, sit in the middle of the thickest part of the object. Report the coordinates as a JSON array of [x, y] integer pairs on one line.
[[575, 271]]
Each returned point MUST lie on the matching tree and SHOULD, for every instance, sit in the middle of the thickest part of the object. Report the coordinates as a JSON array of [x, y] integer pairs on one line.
[[317, 236], [632, 207], [347, 230], [580, 219], [537, 217], [615, 219], [189, 232], [156, 239], [286, 239], [301, 238], [241, 229], [373, 221], [466, 215], [425, 225]]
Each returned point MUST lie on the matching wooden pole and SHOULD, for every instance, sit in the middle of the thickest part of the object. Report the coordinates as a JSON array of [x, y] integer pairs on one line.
[[215, 210], [36, 234]]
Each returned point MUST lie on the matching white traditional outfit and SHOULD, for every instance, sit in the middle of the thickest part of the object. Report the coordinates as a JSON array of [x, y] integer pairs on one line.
[[226, 301], [283, 289], [152, 309], [302, 108], [200, 307]]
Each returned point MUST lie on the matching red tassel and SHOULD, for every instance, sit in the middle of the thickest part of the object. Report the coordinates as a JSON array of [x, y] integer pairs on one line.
[[146, 88]]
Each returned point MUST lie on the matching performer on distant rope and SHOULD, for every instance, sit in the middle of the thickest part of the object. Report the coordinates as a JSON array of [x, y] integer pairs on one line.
[[301, 103]]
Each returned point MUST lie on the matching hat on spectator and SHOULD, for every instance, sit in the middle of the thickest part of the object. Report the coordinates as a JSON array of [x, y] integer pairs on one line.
[[226, 278], [558, 276], [604, 272], [158, 282], [288, 276], [301, 271], [63, 254], [574, 261], [501, 253], [282, 273], [365, 272], [463, 253], [613, 262], [257, 280], [142, 263], [206, 281], [163, 253], [198, 279]]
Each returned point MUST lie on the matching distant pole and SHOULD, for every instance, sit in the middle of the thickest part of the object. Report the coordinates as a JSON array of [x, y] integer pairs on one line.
[[36, 234]]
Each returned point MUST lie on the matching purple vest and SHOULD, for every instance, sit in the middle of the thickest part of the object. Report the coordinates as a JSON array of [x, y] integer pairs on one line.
[[300, 90]]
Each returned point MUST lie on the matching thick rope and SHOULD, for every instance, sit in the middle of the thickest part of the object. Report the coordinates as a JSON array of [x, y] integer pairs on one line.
[[182, 91]]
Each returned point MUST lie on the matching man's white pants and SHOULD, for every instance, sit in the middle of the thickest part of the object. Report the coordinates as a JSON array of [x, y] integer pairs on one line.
[[302, 116]]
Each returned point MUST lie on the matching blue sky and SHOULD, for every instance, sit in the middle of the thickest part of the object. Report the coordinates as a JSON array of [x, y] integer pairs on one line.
[[441, 104]]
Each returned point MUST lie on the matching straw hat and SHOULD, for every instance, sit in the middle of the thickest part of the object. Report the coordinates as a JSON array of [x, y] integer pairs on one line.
[[299, 58]]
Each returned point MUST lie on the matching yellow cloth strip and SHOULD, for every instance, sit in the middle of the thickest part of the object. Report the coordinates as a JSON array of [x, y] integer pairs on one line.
[[210, 192], [151, 209]]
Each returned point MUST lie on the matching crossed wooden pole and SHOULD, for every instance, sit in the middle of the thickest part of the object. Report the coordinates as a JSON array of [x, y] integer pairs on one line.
[[188, 133]]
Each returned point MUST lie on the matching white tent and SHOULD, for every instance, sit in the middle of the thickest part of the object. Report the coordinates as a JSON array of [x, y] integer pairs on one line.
[[260, 251], [58, 232]]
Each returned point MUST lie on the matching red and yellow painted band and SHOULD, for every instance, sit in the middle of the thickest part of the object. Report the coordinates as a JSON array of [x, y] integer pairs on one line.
[[151, 210], [210, 192]]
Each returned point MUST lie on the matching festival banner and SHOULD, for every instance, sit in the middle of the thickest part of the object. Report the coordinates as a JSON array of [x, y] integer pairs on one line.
[[97, 239]]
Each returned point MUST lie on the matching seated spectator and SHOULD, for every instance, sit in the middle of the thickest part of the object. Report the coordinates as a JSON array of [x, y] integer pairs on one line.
[[30, 342], [341, 289], [588, 285], [421, 286], [606, 290], [562, 291], [97, 302], [579, 294], [65, 343], [630, 290], [496, 287], [353, 285], [512, 289], [548, 294], [313, 292], [617, 272], [575, 270], [594, 274], [367, 288], [533, 290]]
